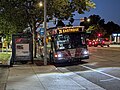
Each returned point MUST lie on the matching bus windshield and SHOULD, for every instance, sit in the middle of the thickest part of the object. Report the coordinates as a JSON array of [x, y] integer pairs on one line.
[[70, 41]]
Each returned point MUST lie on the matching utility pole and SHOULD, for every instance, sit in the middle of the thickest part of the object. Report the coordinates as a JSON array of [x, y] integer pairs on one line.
[[45, 24]]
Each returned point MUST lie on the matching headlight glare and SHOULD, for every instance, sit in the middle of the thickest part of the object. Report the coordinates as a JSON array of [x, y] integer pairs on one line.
[[85, 52], [59, 55]]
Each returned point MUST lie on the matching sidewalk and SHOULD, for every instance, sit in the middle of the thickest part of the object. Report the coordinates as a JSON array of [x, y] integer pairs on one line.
[[33, 77], [3, 77], [114, 45]]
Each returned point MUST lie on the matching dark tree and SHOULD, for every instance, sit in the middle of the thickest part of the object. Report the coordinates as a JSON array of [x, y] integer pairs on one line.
[[94, 25], [60, 24], [111, 27]]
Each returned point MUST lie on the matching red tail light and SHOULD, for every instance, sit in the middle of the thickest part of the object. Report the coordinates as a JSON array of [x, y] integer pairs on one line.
[[103, 41], [55, 55], [90, 43], [95, 42]]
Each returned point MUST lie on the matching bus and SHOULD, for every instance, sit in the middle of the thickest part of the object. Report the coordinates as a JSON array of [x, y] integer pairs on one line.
[[67, 44]]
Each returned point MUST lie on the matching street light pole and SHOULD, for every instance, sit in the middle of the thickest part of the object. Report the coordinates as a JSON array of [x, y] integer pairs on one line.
[[45, 24]]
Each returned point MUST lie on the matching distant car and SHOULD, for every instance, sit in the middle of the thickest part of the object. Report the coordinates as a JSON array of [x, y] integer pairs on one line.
[[92, 43], [105, 42], [99, 42]]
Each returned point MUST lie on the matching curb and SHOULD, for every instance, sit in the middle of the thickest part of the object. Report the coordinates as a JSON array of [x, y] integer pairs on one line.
[[114, 45], [2, 65]]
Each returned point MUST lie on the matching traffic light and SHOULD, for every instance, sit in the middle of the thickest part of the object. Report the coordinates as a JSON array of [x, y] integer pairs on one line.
[[99, 35]]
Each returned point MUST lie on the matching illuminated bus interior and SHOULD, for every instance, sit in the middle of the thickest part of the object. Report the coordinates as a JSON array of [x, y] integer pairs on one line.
[[69, 41]]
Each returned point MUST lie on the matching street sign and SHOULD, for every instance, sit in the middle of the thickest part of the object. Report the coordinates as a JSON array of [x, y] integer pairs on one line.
[[41, 31]]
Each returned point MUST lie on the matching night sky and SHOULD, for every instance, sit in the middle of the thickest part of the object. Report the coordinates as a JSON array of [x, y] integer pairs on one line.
[[109, 10]]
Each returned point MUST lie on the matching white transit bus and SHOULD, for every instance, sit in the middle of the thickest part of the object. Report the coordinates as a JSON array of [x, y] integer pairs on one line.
[[67, 44]]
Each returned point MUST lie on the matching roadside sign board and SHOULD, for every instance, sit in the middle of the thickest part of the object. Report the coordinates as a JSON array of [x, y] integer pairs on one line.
[[22, 47], [41, 31]]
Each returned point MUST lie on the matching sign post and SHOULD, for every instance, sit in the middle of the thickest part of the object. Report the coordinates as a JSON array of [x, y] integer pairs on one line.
[[45, 25]]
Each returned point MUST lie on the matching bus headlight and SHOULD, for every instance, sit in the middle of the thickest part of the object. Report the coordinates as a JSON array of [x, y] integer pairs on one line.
[[85, 52], [59, 55]]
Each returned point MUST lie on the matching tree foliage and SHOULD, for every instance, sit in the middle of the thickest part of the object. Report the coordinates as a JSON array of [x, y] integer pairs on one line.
[[111, 27], [97, 25], [6, 28], [24, 12]]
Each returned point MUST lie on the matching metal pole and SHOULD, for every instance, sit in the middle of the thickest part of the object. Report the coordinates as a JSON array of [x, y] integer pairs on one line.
[[45, 24], [2, 43]]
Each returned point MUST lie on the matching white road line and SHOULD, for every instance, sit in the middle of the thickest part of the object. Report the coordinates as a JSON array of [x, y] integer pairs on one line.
[[79, 80], [107, 80], [101, 72]]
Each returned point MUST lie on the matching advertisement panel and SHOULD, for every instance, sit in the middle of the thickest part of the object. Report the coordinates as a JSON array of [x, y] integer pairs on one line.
[[22, 47], [22, 50]]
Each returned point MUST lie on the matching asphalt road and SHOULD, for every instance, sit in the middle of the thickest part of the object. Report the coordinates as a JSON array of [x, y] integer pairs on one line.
[[103, 67]]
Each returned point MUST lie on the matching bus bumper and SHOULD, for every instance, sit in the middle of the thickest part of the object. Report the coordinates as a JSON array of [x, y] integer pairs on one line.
[[63, 60]]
